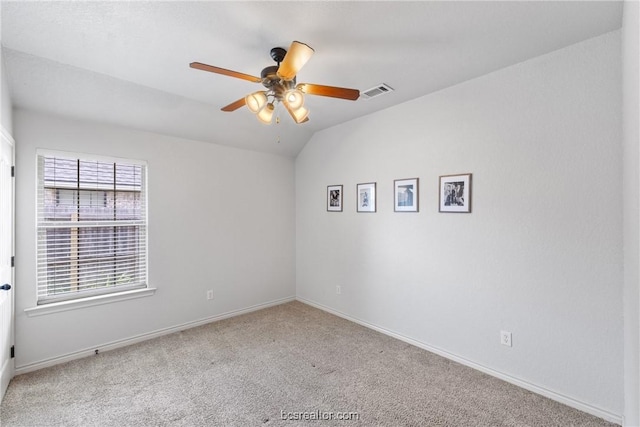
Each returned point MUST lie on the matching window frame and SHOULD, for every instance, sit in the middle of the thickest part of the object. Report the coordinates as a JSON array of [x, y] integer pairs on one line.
[[67, 300]]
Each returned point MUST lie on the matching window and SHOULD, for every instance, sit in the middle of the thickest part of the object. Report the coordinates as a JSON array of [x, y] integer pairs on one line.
[[91, 225]]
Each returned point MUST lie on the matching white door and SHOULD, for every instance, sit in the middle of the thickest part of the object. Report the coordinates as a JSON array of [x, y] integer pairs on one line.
[[6, 270]]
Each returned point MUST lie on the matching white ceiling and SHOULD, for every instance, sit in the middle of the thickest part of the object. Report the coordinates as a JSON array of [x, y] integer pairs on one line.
[[127, 63]]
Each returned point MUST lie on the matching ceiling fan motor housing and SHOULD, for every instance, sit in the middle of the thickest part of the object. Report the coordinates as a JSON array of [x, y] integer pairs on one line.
[[271, 81]]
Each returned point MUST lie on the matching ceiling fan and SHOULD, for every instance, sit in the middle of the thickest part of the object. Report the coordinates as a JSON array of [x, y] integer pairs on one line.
[[280, 81]]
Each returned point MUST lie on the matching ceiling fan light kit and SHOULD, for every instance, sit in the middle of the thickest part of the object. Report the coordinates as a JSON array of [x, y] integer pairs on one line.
[[280, 82]]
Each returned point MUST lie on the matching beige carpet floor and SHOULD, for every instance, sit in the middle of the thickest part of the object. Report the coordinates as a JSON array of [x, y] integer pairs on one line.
[[282, 366]]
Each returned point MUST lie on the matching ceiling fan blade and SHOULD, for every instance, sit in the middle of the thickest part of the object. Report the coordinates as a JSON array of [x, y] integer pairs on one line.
[[294, 60], [234, 105], [230, 73], [332, 91]]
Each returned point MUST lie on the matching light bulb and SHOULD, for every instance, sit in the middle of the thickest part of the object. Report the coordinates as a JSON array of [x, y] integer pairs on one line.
[[294, 98]]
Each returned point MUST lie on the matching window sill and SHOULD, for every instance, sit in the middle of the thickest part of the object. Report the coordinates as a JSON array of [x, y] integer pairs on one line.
[[58, 307]]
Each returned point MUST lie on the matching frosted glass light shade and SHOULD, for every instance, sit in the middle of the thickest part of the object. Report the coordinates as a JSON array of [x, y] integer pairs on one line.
[[298, 55], [266, 114], [300, 114], [256, 101], [294, 98]]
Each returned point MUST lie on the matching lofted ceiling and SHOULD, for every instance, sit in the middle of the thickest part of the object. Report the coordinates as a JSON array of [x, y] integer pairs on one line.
[[127, 63]]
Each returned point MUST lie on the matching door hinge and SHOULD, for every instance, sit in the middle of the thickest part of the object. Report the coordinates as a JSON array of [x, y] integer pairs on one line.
[[13, 261], [13, 351], [13, 171]]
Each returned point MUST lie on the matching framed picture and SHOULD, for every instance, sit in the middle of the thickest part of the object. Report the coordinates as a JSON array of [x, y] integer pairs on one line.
[[455, 193], [405, 195], [366, 197], [334, 198]]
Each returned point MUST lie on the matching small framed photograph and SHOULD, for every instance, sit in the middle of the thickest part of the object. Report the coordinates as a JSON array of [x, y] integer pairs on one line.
[[366, 197], [405, 195], [455, 193], [334, 198]]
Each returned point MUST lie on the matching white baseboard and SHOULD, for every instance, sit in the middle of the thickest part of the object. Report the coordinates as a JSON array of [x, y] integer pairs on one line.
[[144, 337], [559, 397]]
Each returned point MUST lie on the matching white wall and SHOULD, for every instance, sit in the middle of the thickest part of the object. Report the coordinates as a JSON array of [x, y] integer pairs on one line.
[[219, 218], [631, 191], [541, 254], [6, 119]]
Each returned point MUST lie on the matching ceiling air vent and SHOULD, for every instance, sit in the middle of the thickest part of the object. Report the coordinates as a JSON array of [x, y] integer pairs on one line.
[[379, 90]]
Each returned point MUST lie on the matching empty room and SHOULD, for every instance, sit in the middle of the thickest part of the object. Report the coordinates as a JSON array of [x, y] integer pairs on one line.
[[257, 213]]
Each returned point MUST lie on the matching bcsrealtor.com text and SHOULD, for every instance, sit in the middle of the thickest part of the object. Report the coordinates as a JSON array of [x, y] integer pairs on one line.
[[318, 415]]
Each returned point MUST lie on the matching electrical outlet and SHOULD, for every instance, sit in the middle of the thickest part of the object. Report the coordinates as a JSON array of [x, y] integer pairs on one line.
[[210, 294], [338, 290], [505, 338]]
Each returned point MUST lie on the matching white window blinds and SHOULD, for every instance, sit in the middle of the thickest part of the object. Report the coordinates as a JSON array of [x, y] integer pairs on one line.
[[91, 226]]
